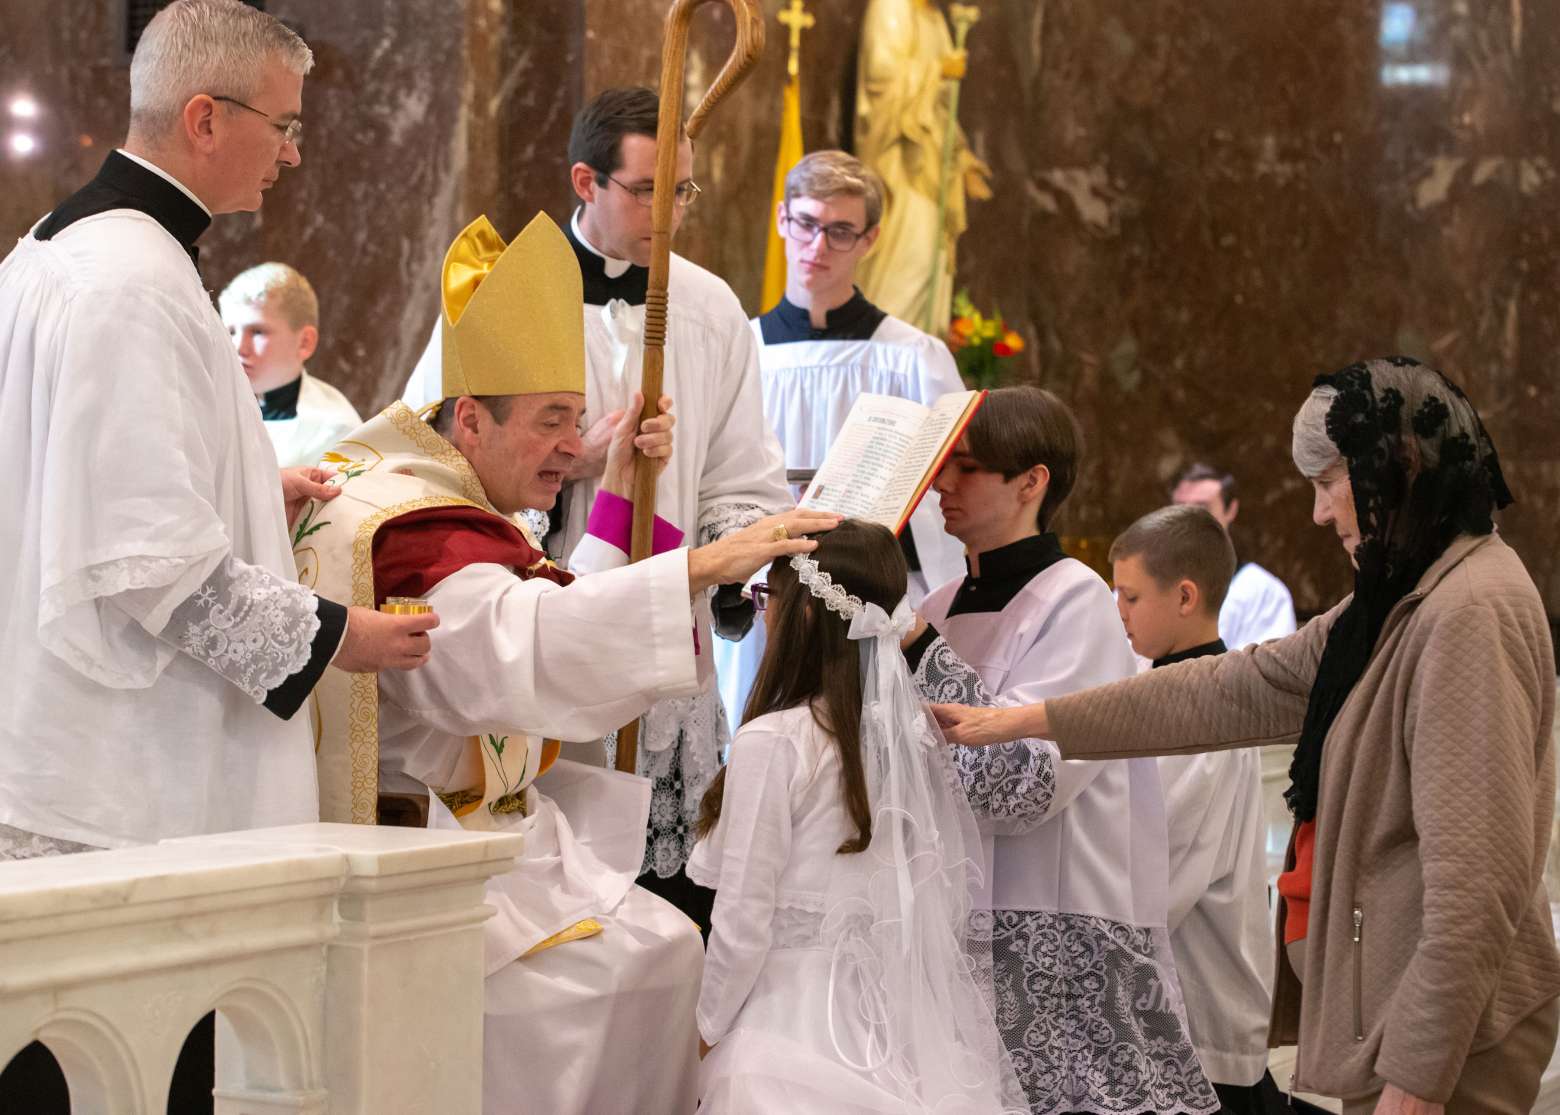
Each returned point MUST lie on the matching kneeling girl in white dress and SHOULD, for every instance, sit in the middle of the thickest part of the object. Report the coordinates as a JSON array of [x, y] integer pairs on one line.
[[839, 977]]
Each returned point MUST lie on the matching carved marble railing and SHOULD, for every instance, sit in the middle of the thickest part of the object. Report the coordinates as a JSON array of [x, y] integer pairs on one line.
[[345, 964]]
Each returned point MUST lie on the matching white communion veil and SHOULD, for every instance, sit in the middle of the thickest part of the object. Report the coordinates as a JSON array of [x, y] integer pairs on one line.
[[910, 980]]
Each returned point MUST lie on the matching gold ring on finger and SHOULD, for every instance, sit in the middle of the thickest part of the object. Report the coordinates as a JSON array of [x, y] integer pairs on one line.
[[779, 534]]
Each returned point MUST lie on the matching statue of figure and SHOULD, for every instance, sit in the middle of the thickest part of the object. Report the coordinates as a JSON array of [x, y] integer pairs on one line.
[[903, 91]]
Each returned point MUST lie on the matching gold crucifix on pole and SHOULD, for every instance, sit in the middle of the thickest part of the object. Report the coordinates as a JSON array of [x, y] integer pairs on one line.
[[796, 19]]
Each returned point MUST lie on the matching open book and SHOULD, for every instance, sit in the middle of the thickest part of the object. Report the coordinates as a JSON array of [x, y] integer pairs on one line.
[[887, 454]]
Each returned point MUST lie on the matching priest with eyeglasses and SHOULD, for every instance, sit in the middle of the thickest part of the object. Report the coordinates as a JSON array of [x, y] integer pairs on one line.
[[156, 648]]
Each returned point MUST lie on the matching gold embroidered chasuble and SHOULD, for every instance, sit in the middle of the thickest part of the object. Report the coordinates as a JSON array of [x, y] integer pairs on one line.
[[393, 465]]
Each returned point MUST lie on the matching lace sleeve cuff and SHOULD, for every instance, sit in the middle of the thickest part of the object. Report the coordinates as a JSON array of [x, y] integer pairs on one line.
[[731, 613], [720, 519], [941, 676], [287, 698], [1011, 782], [269, 636]]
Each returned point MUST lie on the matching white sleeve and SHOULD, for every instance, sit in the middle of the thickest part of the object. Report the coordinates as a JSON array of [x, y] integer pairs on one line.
[[744, 470], [1258, 608], [1086, 647], [1272, 614], [755, 845], [1199, 809], [128, 503], [250, 626], [939, 371], [1083, 646], [569, 663], [595, 555], [427, 380]]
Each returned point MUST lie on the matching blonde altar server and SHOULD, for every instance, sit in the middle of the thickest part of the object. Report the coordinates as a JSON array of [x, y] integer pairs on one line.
[[727, 471], [155, 645], [821, 346], [591, 979], [273, 316]]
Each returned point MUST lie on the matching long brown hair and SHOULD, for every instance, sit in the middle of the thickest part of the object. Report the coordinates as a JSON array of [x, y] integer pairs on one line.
[[810, 658]]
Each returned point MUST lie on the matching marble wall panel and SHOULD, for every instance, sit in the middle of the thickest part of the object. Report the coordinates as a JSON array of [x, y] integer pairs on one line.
[[1202, 206]]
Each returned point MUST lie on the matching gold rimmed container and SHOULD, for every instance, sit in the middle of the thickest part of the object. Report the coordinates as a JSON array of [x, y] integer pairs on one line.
[[405, 606]]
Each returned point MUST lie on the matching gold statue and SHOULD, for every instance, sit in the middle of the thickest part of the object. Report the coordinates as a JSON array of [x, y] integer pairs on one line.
[[906, 130]]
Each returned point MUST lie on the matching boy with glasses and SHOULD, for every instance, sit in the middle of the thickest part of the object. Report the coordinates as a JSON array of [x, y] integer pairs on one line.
[[727, 470], [823, 345]]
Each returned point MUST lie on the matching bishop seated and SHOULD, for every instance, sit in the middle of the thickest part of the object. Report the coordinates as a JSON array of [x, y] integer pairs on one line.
[[581, 962]]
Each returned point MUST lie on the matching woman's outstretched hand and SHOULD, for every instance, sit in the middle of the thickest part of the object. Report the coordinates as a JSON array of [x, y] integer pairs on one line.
[[982, 727]]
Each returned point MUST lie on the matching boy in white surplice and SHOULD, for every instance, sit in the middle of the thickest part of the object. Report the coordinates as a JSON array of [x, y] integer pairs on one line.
[[273, 316], [824, 344], [1087, 996], [1172, 568]]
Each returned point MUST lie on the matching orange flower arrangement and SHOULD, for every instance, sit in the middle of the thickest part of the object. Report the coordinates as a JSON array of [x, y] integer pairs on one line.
[[980, 343]]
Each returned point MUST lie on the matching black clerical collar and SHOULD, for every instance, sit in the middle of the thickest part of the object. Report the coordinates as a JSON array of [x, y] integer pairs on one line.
[[123, 183], [1203, 651], [1004, 572], [787, 323], [281, 403], [601, 288]]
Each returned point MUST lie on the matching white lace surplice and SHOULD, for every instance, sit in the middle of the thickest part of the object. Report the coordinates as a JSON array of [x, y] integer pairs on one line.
[[154, 598], [1087, 996]]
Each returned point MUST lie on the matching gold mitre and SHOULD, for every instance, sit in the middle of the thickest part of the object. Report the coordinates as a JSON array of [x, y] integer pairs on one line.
[[513, 321]]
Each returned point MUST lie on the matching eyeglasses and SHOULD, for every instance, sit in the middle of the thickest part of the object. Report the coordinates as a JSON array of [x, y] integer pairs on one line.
[[292, 131], [760, 593], [687, 192], [804, 230]]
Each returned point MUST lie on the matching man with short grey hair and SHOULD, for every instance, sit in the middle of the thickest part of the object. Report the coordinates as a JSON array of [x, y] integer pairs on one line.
[[156, 646]]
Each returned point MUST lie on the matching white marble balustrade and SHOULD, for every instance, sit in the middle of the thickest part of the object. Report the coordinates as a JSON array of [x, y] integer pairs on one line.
[[344, 961]]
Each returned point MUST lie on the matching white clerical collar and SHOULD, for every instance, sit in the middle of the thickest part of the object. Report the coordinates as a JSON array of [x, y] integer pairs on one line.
[[161, 173], [615, 267]]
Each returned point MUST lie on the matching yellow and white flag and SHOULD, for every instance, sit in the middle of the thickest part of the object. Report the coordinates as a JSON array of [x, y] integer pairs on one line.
[[791, 151]]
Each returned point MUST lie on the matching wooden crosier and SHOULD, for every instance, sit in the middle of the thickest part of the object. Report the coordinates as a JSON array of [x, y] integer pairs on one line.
[[669, 133]]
